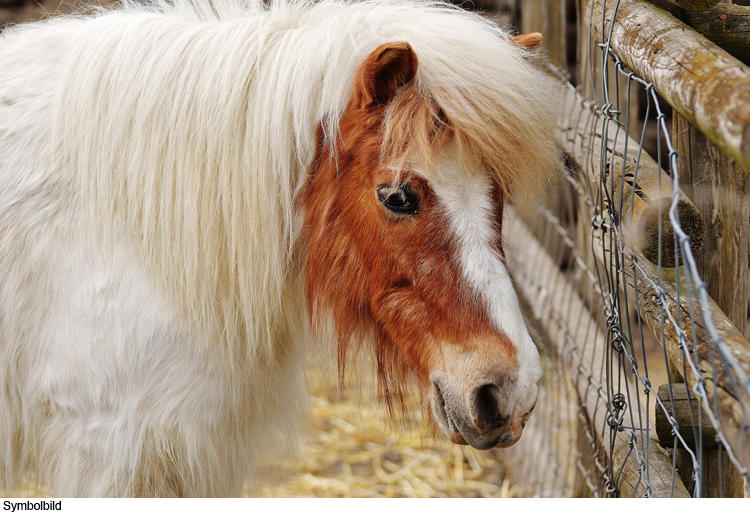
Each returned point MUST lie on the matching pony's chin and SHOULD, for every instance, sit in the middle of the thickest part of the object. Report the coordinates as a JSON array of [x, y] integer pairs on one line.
[[458, 438], [502, 439]]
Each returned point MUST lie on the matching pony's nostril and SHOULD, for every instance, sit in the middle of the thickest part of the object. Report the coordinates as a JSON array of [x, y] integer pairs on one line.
[[487, 410]]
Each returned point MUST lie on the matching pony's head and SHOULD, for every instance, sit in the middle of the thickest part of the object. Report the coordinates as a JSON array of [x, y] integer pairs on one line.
[[403, 216]]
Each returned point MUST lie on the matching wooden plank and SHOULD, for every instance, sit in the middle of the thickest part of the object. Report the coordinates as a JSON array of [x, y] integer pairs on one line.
[[581, 346], [547, 17], [725, 25], [696, 77], [720, 481], [720, 189]]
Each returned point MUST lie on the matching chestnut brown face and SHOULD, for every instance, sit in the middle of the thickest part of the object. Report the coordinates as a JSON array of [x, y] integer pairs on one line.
[[413, 258]]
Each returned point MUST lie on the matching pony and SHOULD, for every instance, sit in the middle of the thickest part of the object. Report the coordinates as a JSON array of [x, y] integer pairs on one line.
[[193, 194]]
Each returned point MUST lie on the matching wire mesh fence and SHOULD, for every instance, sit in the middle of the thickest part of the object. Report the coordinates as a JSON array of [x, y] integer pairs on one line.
[[646, 391]]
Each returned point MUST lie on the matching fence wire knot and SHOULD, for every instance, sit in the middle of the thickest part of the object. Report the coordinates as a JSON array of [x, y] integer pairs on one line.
[[598, 222], [617, 407]]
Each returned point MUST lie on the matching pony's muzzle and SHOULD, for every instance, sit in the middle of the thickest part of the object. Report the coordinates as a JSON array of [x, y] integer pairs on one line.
[[481, 417]]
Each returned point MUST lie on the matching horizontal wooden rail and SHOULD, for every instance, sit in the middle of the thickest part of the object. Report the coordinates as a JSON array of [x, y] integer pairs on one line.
[[725, 24], [696, 77], [684, 410], [580, 343], [639, 190]]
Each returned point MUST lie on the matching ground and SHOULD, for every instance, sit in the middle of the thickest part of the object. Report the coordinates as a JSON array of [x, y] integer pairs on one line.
[[354, 449]]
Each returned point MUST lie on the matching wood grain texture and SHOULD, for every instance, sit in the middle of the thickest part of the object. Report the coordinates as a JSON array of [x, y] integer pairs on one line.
[[694, 5], [549, 18], [696, 77], [726, 25], [684, 408], [720, 189], [719, 476]]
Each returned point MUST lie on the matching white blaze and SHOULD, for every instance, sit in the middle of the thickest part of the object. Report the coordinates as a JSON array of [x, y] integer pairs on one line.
[[466, 198]]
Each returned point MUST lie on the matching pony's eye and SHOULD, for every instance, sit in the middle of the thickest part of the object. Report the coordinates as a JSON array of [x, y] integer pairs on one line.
[[401, 199]]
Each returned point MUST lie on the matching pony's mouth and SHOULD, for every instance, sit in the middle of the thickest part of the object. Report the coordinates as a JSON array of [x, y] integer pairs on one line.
[[444, 418], [456, 423]]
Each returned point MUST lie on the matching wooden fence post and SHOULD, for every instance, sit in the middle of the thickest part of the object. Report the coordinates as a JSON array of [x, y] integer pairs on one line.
[[720, 189], [712, 94], [549, 18]]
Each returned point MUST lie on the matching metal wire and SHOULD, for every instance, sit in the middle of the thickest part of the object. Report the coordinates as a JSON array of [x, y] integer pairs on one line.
[[588, 458]]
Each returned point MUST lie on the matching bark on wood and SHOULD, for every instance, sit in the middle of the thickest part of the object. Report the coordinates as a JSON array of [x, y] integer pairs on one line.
[[581, 346], [694, 5], [725, 25], [548, 17], [638, 189], [698, 78]]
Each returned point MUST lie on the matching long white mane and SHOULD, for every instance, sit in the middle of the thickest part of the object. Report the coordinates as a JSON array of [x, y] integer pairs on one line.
[[191, 125]]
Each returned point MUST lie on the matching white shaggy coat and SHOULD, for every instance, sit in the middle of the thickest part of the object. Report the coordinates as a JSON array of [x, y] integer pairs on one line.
[[152, 318]]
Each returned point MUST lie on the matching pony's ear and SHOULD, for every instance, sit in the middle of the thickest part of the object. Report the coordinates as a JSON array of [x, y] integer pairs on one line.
[[386, 69], [529, 40]]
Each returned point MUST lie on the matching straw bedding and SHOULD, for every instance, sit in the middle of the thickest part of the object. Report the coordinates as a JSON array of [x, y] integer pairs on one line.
[[354, 449]]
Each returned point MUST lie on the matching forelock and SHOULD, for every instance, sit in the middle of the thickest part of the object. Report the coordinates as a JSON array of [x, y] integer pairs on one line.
[[504, 120]]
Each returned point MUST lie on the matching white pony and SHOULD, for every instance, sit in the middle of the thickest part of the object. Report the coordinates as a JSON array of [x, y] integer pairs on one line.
[[157, 164]]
